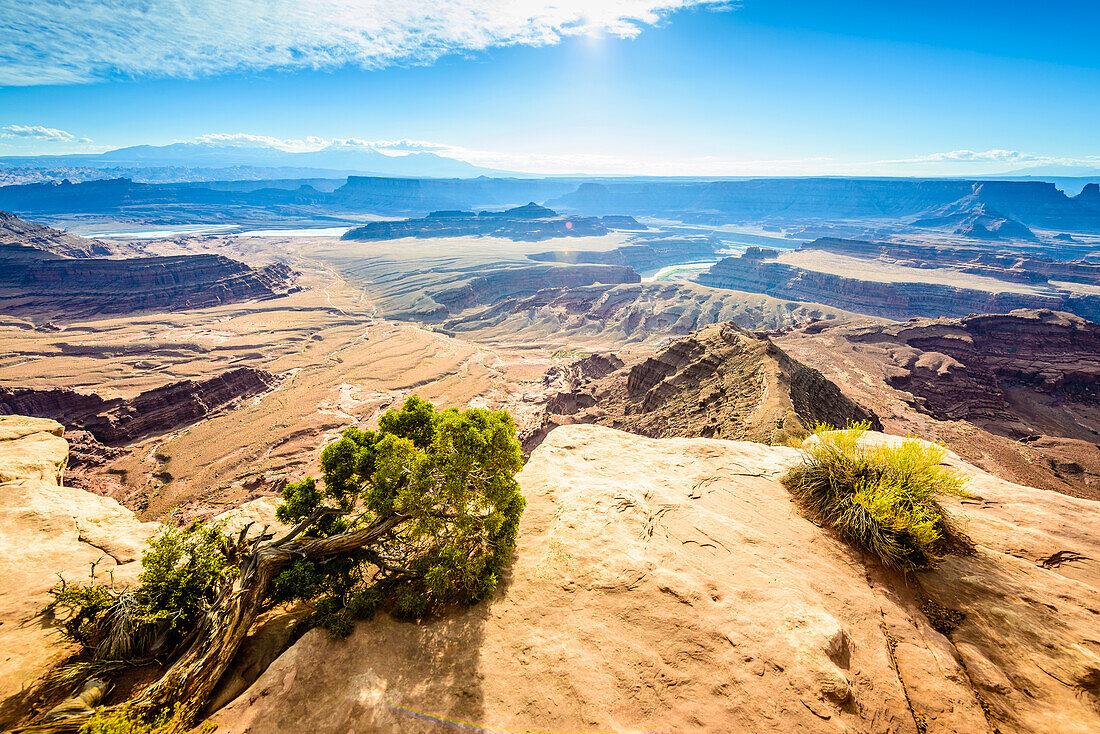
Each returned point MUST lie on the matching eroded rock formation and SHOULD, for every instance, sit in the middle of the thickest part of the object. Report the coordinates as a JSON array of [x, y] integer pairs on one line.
[[118, 421], [999, 370], [1010, 266], [529, 222], [82, 288], [719, 381], [44, 271], [630, 312], [507, 282], [897, 300]]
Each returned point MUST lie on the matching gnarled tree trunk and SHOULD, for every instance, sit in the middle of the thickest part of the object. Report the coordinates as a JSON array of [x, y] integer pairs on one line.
[[187, 685]]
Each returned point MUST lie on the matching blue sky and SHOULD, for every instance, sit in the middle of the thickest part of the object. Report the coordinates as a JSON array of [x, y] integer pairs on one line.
[[619, 86]]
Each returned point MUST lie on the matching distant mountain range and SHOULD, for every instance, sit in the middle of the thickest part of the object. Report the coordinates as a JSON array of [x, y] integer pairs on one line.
[[336, 158]]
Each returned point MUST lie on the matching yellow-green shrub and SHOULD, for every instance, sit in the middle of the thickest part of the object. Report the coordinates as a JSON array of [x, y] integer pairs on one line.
[[883, 498]]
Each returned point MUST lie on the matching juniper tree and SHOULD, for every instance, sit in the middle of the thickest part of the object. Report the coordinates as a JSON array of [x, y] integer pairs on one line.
[[420, 514]]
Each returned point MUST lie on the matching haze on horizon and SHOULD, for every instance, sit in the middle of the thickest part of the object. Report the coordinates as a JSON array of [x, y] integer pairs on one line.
[[648, 87]]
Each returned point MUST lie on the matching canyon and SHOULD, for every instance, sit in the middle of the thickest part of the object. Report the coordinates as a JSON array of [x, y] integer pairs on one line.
[[657, 411], [1004, 210], [892, 289], [1014, 393], [46, 274]]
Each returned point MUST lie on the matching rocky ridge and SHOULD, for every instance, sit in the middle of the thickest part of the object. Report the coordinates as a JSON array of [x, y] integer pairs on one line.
[[18, 233], [718, 382]]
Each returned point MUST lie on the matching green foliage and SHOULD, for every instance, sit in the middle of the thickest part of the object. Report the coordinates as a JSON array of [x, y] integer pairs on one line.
[[180, 570], [122, 722], [86, 606], [882, 498], [450, 475], [444, 479], [415, 421], [125, 721]]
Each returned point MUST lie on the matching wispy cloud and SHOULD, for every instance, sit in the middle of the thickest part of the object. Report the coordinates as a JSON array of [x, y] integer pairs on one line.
[[248, 140], [532, 162], [53, 42], [995, 155], [314, 142], [38, 132]]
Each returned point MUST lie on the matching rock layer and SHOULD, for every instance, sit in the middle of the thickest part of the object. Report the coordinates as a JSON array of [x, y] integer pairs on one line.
[[86, 287], [671, 585], [43, 270], [159, 410], [717, 382], [898, 300]]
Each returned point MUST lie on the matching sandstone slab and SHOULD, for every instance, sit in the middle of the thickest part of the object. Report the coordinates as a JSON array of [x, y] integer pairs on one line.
[[671, 585], [49, 529]]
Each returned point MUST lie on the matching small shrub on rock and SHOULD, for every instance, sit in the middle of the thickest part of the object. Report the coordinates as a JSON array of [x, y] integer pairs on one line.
[[881, 498]]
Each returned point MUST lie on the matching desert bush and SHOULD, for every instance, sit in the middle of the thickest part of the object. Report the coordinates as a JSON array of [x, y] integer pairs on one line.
[[883, 498], [180, 568]]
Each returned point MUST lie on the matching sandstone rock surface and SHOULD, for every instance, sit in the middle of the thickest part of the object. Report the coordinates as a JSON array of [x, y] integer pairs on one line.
[[47, 529], [671, 585]]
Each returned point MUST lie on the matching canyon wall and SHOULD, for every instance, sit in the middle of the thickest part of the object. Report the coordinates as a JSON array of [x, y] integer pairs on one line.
[[892, 300], [160, 410], [87, 287]]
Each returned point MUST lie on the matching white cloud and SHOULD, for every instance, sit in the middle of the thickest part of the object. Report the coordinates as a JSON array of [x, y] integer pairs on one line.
[[249, 140], [38, 132], [993, 156], [56, 42]]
